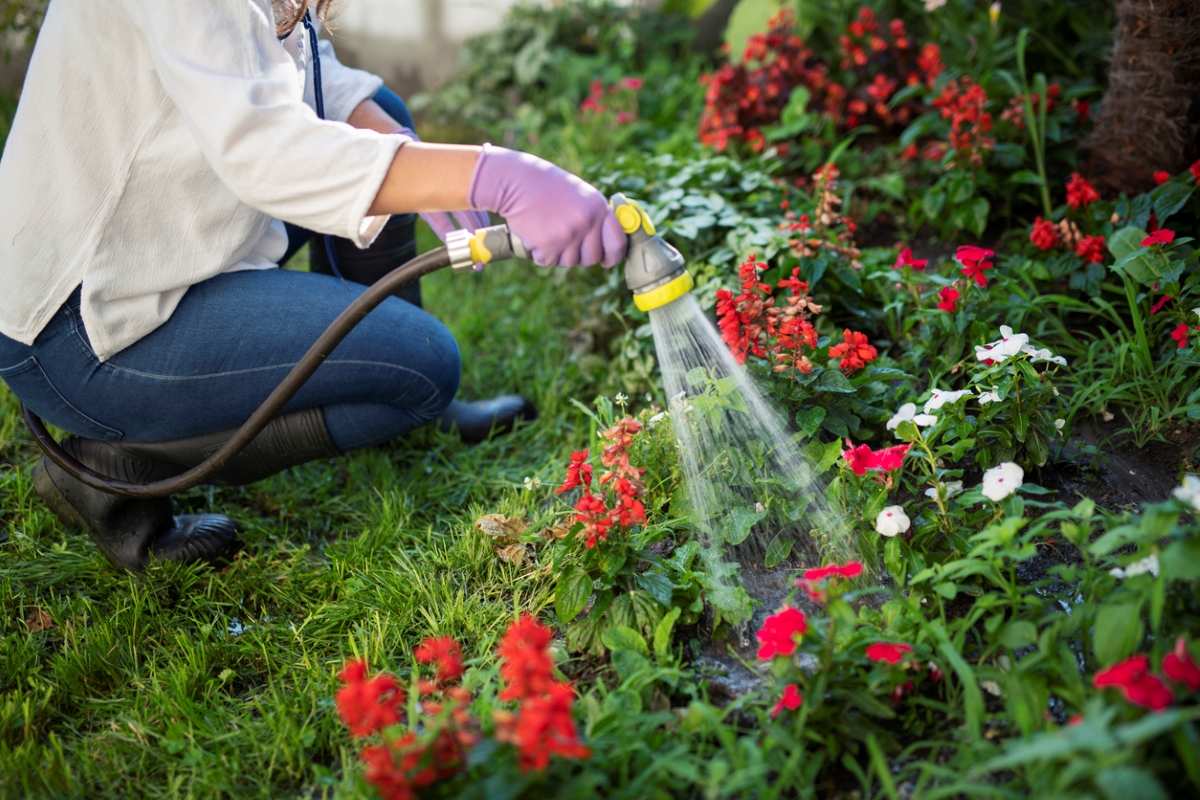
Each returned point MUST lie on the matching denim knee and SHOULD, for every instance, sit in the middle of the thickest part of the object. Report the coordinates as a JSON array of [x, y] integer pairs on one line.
[[441, 367]]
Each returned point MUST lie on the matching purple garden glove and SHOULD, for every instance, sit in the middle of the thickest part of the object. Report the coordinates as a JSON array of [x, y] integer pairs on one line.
[[559, 218], [440, 221]]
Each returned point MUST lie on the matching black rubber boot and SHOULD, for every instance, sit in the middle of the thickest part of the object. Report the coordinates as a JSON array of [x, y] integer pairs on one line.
[[130, 531], [396, 244]]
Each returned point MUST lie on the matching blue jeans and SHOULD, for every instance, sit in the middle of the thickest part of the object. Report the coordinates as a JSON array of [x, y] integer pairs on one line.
[[227, 345]]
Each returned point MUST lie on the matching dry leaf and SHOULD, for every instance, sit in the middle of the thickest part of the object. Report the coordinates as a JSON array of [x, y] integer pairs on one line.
[[555, 533], [504, 530], [513, 554], [39, 621]]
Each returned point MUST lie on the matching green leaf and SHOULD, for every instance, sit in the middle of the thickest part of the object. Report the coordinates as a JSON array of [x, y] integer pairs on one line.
[[1026, 176], [832, 380], [1135, 260], [1129, 783], [979, 215], [1169, 198], [657, 585], [662, 633], [1119, 631], [932, 204], [740, 522], [621, 638], [571, 596], [947, 589], [809, 419], [833, 451], [1018, 634], [1181, 560], [779, 549], [972, 696]]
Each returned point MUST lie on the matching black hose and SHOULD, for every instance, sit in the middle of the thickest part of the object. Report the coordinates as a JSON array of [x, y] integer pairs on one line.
[[304, 369]]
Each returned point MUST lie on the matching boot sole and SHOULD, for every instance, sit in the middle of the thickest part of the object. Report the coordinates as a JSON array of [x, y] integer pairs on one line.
[[44, 485]]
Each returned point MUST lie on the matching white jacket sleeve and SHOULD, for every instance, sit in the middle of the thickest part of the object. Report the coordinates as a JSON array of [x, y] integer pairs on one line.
[[344, 87], [242, 98]]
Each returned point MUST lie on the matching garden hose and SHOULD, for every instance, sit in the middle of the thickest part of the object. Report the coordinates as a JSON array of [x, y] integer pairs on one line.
[[462, 252]]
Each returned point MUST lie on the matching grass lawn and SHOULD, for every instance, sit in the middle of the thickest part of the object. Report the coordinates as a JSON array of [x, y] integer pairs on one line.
[[192, 683]]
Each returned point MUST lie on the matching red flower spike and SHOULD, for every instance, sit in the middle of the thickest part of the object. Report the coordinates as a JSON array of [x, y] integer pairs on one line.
[[905, 259], [1160, 236], [780, 631], [1179, 666], [445, 654], [1045, 235], [381, 772], [853, 352], [948, 299], [791, 700], [1161, 177], [888, 653], [1091, 249], [1080, 192], [579, 472], [525, 663], [367, 706]]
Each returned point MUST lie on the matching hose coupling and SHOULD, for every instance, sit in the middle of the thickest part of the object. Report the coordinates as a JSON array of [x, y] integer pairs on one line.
[[482, 247]]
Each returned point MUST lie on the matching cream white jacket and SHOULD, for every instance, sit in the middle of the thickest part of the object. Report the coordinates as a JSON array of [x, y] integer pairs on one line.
[[156, 144]]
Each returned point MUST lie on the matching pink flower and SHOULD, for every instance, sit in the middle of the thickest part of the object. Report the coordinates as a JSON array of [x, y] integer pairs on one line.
[[862, 458], [631, 83], [1133, 678], [780, 632], [889, 653], [1162, 301], [791, 699], [1180, 335], [1179, 666], [1161, 177], [850, 570], [975, 260], [905, 259], [1161, 236]]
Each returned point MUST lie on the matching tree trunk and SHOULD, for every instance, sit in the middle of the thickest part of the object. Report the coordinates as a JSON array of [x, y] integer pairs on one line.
[[1150, 117]]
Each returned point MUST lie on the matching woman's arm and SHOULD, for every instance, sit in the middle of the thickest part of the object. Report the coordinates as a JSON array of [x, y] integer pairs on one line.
[[423, 177]]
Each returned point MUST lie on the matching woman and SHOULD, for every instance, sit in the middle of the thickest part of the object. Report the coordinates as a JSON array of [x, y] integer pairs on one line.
[[165, 157]]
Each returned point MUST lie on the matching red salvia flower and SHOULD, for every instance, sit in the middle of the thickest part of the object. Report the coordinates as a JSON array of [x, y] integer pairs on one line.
[[780, 631], [365, 705], [1161, 236], [525, 663], [1161, 177], [544, 727], [579, 472], [1179, 666], [381, 772], [854, 352], [446, 656], [974, 261], [905, 259], [791, 700], [888, 653], [1080, 192], [1045, 234], [948, 299], [1091, 249], [1132, 676]]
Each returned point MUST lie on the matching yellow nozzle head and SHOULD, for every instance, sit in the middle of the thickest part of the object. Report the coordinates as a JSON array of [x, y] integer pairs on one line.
[[667, 293]]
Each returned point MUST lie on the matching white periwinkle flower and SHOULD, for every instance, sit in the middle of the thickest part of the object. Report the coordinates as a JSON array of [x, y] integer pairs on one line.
[[1002, 480], [989, 397], [941, 398], [892, 521], [1008, 345], [1190, 491], [908, 413], [1059, 424], [1196, 311], [1147, 564], [1036, 355], [952, 488]]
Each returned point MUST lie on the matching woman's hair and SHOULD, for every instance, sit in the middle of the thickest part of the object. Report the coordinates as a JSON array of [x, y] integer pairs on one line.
[[288, 13]]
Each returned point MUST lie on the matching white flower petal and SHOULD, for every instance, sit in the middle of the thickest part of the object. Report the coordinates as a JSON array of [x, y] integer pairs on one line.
[[951, 488], [892, 521], [905, 414], [941, 398], [924, 420], [989, 397], [1002, 480]]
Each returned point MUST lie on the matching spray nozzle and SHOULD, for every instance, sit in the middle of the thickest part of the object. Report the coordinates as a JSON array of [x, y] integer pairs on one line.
[[654, 270], [483, 246]]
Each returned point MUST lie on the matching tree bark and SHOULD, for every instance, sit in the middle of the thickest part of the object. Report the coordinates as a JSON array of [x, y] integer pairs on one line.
[[1150, 117]]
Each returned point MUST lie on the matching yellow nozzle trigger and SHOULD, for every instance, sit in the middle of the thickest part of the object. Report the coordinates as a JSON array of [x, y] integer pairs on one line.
[[479, 251], [633, 216]]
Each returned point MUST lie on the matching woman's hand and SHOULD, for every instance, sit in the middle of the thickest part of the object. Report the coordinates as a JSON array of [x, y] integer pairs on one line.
[[560, 219]]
